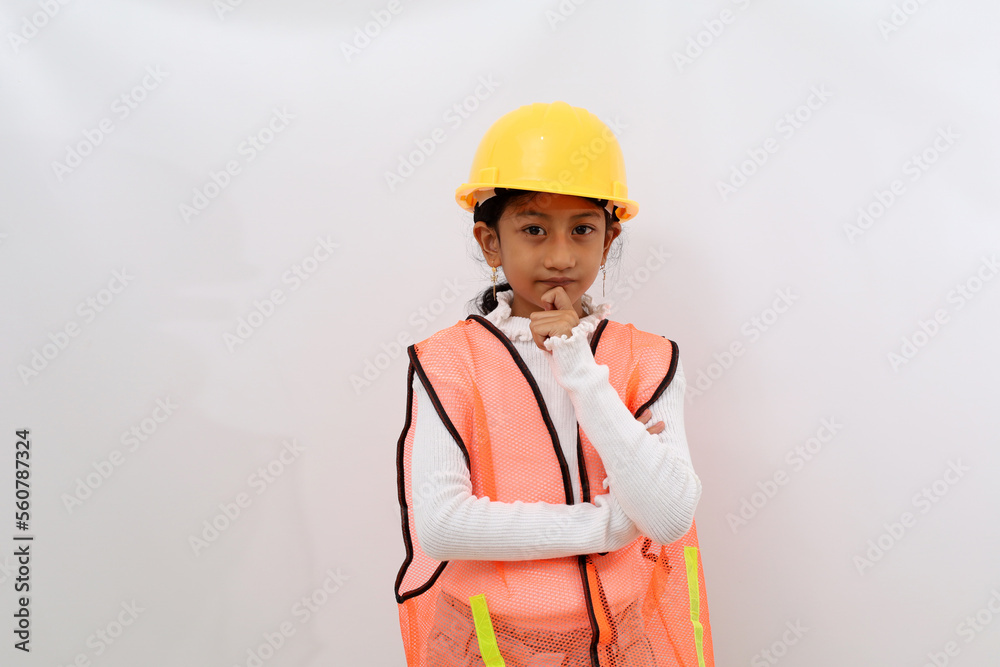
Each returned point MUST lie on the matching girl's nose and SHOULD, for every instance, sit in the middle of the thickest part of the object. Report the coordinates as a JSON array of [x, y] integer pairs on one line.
[[559, 253]]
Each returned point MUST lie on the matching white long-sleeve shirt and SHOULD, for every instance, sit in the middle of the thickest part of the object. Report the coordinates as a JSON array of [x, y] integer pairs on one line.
[[653, 488]]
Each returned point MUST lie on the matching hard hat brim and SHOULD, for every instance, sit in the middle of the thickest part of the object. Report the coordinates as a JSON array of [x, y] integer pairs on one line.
[[465, 196]]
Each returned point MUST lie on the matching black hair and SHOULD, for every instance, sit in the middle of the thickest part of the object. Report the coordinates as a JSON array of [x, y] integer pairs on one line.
[[490, 212]]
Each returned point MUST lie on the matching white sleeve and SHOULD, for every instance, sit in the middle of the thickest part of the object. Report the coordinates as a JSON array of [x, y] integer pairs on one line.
[[453, 524], [652, 475]]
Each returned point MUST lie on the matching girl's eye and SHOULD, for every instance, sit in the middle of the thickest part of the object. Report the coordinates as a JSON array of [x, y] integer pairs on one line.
[[587, 229]]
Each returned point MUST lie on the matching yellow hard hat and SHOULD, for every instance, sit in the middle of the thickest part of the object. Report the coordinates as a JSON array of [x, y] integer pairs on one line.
[[549, 148]]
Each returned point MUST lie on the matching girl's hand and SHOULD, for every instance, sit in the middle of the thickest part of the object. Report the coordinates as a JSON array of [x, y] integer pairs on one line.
[[558, 318], [645, 416]]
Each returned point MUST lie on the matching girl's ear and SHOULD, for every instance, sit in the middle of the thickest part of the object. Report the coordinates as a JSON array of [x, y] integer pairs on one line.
[[487, 240], [613, 230]]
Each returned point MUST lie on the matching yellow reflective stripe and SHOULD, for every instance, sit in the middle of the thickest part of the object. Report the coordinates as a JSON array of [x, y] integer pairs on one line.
[[488, 648], [691, 561]]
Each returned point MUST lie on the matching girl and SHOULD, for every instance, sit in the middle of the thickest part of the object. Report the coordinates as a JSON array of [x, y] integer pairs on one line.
[[546, 522]]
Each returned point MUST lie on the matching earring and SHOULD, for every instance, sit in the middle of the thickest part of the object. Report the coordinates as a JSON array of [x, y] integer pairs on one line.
[[494, 283], [603, 279]]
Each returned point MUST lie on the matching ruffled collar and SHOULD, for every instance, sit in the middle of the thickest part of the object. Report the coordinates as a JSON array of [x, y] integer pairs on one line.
[[519, 328]]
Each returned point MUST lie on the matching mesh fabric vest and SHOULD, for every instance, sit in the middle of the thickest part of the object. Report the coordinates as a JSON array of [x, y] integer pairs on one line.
[[489, 402]]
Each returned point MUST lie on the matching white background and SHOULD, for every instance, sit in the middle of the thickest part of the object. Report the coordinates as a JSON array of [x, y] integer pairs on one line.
[[893, 78]]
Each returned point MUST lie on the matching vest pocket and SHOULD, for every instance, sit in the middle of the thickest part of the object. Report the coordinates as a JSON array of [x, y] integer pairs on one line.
[[449, 640], [633, 648]]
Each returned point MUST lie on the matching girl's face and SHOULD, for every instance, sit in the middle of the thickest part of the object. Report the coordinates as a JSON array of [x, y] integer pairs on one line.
[[551, 237]]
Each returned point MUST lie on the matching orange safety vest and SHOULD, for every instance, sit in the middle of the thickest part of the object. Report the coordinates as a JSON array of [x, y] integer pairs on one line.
[[540, 610]]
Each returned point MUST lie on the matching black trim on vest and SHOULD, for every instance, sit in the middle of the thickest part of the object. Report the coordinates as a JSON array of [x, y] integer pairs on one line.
[[400, 476], [597, 334], [664, 383], [412, 352], [595, 660], [516, 356], [582, 467], [667, 379], [401, 483]]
